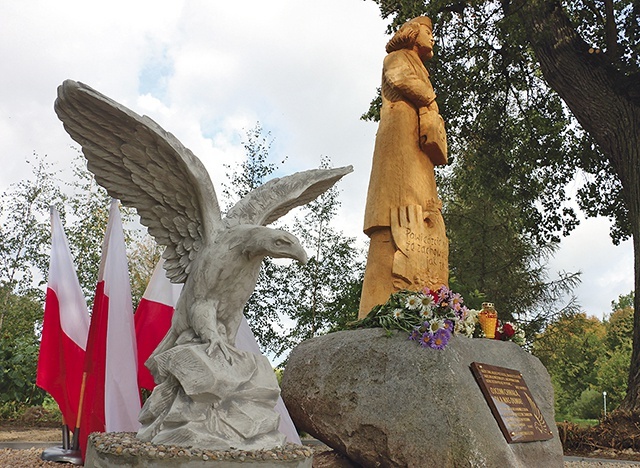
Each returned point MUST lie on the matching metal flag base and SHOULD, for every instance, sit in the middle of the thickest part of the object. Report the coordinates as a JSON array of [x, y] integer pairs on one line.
[[62, 455], [67, 453]]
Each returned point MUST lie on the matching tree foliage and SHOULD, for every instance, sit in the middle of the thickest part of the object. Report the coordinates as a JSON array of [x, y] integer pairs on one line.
[[86, 212], [491, 261], [25, 234], [493, 253], [18, 360], [504, 125], [262, 312], [586, 357], [252, 172], [569, 348], [489, 72], [321, 292], [143, 254]]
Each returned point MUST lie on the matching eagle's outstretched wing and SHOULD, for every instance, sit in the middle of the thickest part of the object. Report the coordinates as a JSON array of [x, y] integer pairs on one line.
[[146, 168], [277, 197]]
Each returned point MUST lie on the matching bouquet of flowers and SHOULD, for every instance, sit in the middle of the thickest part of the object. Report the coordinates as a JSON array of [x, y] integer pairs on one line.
[[431, 317]]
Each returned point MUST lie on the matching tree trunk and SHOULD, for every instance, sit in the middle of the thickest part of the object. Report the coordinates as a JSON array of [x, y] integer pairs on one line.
[[606, 102]]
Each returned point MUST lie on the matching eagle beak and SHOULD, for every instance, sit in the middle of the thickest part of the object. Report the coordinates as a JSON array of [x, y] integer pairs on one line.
[[300, 255]]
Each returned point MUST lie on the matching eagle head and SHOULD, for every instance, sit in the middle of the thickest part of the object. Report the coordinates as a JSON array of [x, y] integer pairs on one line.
[[275, 243]]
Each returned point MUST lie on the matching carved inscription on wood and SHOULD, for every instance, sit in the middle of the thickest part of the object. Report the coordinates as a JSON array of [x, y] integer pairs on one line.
[[422, 256], [511, 403]]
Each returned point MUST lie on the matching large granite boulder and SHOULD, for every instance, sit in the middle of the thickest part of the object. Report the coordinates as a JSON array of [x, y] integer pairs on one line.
[[384, 401]]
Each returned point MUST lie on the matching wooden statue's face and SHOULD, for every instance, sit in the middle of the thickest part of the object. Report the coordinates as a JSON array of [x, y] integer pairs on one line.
[[424, 43]]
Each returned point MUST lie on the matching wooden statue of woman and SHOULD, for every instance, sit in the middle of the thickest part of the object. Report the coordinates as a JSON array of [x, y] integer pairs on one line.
[[403, 216]]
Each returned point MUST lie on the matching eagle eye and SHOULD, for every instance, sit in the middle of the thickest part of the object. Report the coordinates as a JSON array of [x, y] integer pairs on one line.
[[281, 242]]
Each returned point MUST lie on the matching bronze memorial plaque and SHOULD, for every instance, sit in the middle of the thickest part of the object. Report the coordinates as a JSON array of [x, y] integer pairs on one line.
[[511, 403]]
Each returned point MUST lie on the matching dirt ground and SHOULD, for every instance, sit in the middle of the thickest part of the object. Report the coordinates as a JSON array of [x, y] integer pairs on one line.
[[10, 433]]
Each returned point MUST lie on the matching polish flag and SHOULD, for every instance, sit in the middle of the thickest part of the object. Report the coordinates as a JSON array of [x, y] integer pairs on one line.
[[65, 328], [111, 398], [153, 319]]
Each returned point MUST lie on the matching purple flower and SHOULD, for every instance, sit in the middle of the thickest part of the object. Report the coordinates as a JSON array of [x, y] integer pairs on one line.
[[440, 338], [448, 325], [415, 335], [426, 339], [445, 294], [456, 301]]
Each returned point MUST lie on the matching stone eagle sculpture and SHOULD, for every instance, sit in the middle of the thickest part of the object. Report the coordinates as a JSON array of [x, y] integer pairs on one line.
[[209, 394]]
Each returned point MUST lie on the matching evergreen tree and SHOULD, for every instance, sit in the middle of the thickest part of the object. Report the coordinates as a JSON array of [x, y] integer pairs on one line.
[[493, 255]]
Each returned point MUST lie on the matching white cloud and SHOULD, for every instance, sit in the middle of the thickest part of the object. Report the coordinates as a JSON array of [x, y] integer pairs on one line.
[[607, 270]]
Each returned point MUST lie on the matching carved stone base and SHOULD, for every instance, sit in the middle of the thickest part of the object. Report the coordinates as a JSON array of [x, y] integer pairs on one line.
[[123, 449], [211, 403]]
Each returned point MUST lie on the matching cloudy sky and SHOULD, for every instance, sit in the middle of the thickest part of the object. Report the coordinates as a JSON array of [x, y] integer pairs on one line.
[[207, 71]]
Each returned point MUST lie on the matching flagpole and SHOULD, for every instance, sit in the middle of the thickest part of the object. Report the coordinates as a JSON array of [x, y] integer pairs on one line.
[[65, 434], [76, 430]]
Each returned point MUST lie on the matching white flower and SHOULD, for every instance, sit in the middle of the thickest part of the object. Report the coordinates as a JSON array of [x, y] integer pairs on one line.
[[518, 338], [467, 325], [471, 316], [427, 301], [397, 313], [464, 328], [426, 313], [413, 302], [436, 324]]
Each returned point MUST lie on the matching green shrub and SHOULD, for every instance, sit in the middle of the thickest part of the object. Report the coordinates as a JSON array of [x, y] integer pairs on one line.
[[18, 364], [589, 406]]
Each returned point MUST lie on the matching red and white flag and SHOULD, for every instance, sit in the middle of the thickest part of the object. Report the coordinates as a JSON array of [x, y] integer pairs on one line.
[[65, 328], [153, 319], [111, 398]]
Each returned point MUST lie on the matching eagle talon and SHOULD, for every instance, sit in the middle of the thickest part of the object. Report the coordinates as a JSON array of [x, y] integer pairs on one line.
[[223, 349]]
